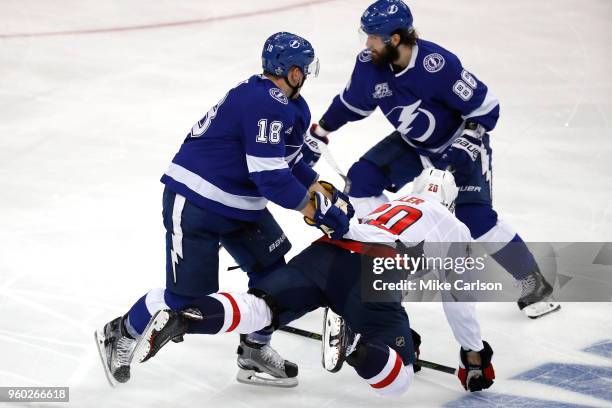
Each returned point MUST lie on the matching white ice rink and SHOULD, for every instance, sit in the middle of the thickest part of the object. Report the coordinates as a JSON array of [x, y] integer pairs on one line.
[[97, 96]]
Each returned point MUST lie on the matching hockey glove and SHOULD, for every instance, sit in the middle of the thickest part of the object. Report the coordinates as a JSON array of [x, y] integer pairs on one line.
[[327, 217], [311, 153], [476, 377], [339, 199], [462, 155]]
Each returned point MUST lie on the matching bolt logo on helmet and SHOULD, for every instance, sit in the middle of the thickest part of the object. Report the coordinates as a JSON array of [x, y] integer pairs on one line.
[[285, 50], [385, 16]]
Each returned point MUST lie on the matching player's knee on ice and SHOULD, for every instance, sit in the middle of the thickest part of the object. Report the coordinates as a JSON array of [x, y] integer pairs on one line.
[[382, 368]]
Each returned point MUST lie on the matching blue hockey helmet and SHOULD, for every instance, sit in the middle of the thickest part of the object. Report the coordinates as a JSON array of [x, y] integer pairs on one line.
[[285, 50], [385, 16]]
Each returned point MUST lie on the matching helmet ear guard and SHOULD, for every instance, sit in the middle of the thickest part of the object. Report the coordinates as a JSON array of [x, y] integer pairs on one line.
[[437, 184]]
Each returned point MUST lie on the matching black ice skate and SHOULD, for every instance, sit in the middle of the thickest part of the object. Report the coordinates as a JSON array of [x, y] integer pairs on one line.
[[534, 300], [164, 326], [115, 347], [338, 341], [260, 364]]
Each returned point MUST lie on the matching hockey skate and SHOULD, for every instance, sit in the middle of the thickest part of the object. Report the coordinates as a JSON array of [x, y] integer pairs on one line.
[[115, 348], [164, 326], [338, 341], [534, 300], [260, 364]]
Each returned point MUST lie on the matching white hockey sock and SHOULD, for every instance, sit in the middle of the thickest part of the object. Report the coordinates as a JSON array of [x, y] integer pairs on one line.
[[244, 313]]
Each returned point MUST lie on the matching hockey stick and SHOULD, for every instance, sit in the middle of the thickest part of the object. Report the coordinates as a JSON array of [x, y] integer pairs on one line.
[[332, 162], [329, 158], [301, 332], [316, 336]]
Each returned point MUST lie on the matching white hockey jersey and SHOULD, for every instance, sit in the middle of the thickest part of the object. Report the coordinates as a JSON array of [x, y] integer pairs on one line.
[[414, 219]]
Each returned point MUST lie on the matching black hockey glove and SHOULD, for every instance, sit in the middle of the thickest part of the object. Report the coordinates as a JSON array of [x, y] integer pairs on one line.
[[476, 377], [311, 153], [463, 154], [328, 218]]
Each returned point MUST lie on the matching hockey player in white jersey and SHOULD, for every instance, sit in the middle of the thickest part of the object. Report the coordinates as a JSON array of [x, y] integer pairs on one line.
[[381, 345]]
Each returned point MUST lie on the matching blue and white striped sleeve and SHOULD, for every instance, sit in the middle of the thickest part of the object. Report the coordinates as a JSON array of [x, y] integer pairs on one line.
[[265, 158]]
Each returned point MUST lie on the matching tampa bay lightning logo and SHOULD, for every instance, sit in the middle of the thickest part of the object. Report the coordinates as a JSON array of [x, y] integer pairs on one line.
[[392, 9], [279, 95], [365, 55], [294, 44], [433, 62], [412, 116]]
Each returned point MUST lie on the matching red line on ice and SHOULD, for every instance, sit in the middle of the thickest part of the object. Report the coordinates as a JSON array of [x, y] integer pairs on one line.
[[167, 24]]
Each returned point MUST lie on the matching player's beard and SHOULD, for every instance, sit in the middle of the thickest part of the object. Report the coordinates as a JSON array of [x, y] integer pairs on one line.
[[386, 56]]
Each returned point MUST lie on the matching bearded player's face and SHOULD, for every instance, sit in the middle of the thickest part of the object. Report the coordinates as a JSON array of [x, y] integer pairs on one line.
[[382, 53]]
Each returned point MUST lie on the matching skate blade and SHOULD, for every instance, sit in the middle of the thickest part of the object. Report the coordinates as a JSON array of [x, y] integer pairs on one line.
[[253, 378], [540, 309], [332, 349], [100, 338], [143, 349]]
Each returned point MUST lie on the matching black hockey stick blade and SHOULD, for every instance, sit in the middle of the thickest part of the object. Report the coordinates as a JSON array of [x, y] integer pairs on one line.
[[435, 366], [300, 332], [316, 336]]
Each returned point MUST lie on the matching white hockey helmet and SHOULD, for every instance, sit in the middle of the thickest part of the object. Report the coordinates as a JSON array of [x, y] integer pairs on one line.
[[437, 184]]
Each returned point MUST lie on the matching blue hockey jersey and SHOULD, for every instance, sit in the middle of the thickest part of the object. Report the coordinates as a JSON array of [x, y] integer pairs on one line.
[[428, 102], [244, 152]]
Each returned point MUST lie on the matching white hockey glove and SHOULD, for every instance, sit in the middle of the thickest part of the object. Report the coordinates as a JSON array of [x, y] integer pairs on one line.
[[311, 152]]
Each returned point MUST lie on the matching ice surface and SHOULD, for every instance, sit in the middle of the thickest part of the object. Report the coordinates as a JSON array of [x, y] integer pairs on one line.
[[96, 97]]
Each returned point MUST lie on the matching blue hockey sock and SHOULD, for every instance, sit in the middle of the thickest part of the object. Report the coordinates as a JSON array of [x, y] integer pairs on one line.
[[369, 359], [214, 316], [262, 336], [516, 258]]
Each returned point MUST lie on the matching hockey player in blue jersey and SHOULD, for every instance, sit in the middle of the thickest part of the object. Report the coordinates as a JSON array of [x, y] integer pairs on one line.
[[242, 153], [442, 115], [377, 340]]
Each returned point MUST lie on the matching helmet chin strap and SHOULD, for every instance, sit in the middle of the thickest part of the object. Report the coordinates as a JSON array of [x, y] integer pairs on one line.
[[294, 89]]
